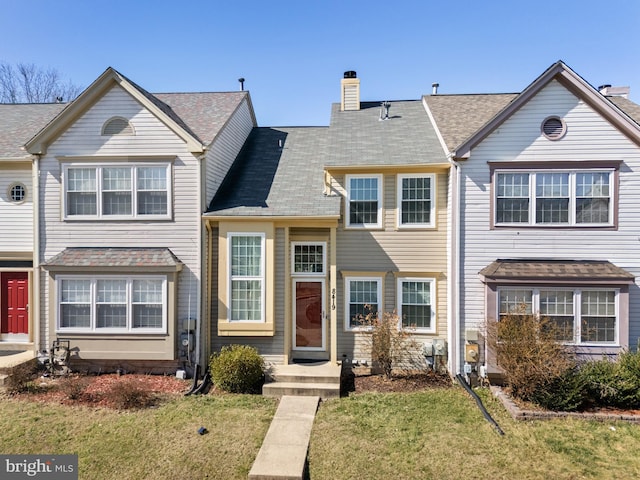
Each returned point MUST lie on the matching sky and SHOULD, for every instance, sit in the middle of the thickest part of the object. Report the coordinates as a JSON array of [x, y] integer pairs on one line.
[[292, 54]]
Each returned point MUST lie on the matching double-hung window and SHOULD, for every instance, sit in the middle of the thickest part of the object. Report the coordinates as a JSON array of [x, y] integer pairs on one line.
[[117, 191], [554, 198], [416, 304], [105, 304], [364, 201], [246, 285], [363, 296], [416, 200], [580, 316]]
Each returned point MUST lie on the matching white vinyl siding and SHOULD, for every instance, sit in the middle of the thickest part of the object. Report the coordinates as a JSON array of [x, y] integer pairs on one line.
[[589, 137], [106, 304], [16, 218]]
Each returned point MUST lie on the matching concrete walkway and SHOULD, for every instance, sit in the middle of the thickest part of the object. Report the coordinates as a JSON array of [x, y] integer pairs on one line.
[[283, 454]]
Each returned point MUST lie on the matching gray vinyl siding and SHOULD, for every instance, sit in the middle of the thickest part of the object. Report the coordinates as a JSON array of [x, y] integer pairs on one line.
[[390, 250], [83, 138], [225, 148], [16, 219], [588, 137]]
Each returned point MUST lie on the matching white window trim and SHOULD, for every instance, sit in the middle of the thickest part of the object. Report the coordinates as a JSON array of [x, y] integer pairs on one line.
[[577, 310], [572, 197], [347, 294], [432, 295], [432, 200], [347, 216], [309, 274], [93, 292], [261, 277], [99, 190]]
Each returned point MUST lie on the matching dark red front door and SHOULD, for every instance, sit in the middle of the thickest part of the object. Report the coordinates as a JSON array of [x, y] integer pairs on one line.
[[14, 301]]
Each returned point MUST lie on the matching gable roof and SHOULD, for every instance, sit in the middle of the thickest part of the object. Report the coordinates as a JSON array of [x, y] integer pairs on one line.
[[361, 138], [454, 129], [194, 117], [18, 123], [269, 180]]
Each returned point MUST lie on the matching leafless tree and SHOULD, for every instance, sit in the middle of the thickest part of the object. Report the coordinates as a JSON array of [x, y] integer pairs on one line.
[[29, 83]]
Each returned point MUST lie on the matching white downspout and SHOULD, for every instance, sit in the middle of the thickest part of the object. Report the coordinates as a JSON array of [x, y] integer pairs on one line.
[[34, 312], [455, 266]]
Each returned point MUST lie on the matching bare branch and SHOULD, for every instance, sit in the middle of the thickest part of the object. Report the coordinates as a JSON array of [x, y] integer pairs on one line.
[[29, 83]]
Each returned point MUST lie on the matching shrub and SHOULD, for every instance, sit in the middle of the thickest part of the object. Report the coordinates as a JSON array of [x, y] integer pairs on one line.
[[565, 393], [389, 344], [613, 384], [20, 379], [529, 354], [127, 394], [237, 369], [73, 387]]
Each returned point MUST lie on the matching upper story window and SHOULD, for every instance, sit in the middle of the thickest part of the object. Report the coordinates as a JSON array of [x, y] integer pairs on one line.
[[364, 201], [117, 191], [17, 192], [554, 198], [247, 275], [416, 194]]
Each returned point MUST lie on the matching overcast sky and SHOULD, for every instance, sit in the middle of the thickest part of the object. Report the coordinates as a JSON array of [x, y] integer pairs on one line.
[[293, 53]]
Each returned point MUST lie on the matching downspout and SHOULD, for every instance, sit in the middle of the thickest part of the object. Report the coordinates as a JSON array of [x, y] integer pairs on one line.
[[454, 340], [35, 290], [201, 260]]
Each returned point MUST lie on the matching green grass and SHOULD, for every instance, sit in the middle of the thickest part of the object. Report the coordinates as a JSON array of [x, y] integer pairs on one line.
[[442, 434], [156, 443], [438, 434]]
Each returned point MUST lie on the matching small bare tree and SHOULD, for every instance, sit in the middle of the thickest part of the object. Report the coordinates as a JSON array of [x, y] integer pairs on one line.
[[390, 342], [28, 83]]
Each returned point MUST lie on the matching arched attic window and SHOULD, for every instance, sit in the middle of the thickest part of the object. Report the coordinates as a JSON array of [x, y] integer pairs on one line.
[[117, 126]]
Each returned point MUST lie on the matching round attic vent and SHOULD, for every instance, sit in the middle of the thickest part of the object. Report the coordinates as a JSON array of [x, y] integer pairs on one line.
[[553, 128]]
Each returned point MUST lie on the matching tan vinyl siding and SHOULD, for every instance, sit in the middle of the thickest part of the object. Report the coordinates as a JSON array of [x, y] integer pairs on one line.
[[83, 140], [588, 137], [396, 253], [225, 148], [16, 219]]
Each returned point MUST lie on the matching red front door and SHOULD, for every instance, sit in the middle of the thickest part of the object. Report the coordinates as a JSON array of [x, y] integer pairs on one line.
[[14, 287]]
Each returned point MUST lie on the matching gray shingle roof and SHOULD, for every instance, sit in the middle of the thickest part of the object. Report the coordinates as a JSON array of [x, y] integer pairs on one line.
[[460, 116], [267, 180], [20, 122], [627, 106], [359, 137], [114, 257], [524, 270]]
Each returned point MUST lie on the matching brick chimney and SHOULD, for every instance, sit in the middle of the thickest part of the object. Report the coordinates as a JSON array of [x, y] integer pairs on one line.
[[350, 92]]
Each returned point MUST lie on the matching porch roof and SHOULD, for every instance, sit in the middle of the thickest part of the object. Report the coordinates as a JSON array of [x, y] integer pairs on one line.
[[522, 270], [123, 257]]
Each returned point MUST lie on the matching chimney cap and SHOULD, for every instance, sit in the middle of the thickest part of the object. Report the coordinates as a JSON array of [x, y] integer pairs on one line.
[[350, 74]]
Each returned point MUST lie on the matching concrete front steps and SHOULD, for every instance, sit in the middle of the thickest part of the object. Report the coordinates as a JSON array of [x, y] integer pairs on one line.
[[320, 379]]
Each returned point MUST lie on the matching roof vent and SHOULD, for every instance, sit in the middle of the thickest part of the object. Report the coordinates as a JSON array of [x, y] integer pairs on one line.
[[553, 128], [117, 126], [350, 92], [384, 110], [435, 86]]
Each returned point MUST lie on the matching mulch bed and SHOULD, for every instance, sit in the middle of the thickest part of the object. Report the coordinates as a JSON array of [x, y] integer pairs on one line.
[[401, 383]]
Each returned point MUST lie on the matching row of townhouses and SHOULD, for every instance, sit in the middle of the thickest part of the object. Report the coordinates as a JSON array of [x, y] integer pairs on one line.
[[150, 230]]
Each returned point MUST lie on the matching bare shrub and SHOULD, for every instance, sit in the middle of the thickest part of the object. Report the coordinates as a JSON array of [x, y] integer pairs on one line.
[[20, 379], [528, 352], [390, 342], [128, 394], [74, 387]]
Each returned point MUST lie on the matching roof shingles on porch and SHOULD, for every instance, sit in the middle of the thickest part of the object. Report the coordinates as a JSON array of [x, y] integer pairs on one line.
[[114, 257], [555, 270]]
